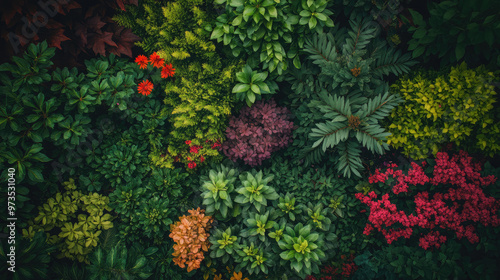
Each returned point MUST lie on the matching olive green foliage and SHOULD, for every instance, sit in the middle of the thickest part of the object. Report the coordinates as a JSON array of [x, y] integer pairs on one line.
[[31, 258], [270, 32], [343, 85], [147, 210], [73, 221], [252, 85], [199, 96], [457, 31], [457, 107]]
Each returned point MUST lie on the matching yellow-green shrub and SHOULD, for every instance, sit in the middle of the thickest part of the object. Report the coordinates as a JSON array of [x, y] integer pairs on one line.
[[73, 221], [453, 108]]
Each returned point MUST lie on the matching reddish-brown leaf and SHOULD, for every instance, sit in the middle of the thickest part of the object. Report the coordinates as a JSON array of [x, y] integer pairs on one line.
[[99, 42]]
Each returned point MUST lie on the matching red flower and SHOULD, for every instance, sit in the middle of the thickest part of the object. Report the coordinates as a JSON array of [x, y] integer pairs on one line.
[[192, 165], [145, 87], [142, 61], [188, 142], [202, 159], [215, 145], [194, 149], [167, 71], [156, 60]]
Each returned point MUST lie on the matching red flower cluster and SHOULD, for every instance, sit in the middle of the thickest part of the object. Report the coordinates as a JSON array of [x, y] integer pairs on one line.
[[194, 151], [448, 211], [216, 145], [145, 87]]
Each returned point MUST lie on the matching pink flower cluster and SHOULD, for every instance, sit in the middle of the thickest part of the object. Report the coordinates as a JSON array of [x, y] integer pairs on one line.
[[465, 202], [259, 131]]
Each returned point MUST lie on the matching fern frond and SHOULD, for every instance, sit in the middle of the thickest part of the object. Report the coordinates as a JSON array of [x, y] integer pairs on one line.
[[311, 155], [349, 161], [322, 48], [374, 138], [330, 134], [392, 61], [335, 105], [379, 107], [360, 37]]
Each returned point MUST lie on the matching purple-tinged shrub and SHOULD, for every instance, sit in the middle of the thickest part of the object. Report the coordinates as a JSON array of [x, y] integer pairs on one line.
[[258, 131]]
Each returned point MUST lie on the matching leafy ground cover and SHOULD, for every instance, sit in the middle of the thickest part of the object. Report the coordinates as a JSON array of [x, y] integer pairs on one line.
[[250, 139]]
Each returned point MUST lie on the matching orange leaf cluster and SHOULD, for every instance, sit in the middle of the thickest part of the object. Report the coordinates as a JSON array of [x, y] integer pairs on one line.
[[190, 234]]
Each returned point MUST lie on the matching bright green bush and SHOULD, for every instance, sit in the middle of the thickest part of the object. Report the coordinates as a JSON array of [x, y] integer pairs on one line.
[[457, 107], [73, 221], [302, 248], [270, 32]]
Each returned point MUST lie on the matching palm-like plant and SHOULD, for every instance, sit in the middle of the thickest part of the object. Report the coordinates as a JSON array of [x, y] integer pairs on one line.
[[349, 121]]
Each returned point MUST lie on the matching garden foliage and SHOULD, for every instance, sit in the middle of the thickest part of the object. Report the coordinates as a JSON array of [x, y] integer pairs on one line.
[[201, 99], [190, 234], [257, 132], [346, 73], [270, 33], [77, 28], [73, 221], [114, 153], [458, 31], [455, 107]]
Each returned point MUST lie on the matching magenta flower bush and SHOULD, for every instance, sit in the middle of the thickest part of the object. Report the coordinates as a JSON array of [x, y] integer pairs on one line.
[[259, 131]]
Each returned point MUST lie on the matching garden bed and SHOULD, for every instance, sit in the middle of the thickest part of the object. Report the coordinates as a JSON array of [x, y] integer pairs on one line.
[[250, 139]]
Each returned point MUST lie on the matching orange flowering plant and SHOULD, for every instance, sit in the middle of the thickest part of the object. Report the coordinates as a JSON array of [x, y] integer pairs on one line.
[[190, 234]]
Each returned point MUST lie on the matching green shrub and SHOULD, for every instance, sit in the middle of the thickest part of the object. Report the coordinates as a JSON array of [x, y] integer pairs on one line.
[[457, 107], [32, 258], [470, 28], [270, 32], [346, 72], [146, 210], [120, 262], [73, 221]]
